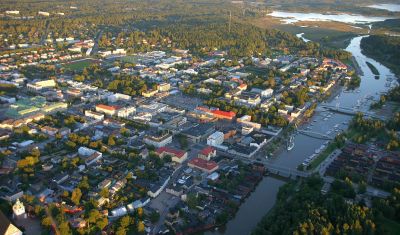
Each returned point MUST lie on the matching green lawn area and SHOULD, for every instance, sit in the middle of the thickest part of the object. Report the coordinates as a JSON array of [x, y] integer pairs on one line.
[[326, 37], [322, 156], [129, 59], [79, 65], [390, 226]]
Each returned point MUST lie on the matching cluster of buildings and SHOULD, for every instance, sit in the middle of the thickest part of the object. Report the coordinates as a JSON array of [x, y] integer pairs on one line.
[[161, 142], [367, 163]]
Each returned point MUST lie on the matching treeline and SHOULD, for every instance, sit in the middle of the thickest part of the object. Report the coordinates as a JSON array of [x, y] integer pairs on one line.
[[241, 40], [385, 49]]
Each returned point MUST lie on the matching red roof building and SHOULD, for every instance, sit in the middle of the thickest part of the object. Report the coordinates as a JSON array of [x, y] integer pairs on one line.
[[177, 155], [203, 165], [111, 110], [223, 114], [207, 153]]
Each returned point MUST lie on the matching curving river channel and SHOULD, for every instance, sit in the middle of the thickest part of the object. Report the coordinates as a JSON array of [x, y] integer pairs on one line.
[[328, 123]]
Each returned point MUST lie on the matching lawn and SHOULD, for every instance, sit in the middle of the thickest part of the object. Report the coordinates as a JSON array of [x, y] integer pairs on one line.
[[390, 226], [322, 156], [129, 59], [79, 64]]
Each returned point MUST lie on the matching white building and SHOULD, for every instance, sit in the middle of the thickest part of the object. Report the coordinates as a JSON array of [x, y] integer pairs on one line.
[[12, 12], [126, 112], [44, 13], [118, 96], [267, 93], [94, 115], [18, 208], [39, 85], [215, 139], [158, 141]]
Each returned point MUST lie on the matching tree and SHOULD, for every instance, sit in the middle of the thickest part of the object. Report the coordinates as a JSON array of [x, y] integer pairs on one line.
[[140, 211], [46, 221], [111, 141], [84, 184], [76, 196], [140, 227], [154, 216], [64, 228]]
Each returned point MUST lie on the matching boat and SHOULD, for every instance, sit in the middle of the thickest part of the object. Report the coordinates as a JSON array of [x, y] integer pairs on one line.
[[290, 144]]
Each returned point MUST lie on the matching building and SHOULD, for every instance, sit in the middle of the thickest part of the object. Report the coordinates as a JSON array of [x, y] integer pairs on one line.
[[43, 13], [207, 153], [248, 98], [18, 208], [199, 133], [126, 111], [267, 93], [216, 139], [6, 227], [223, 114], [246, 121], [158, 140], [203, 165], [94, 115], [118, 96], [91, 156], [178, 156], [163, 87], [110, 110], [12, 12], [39, 85], [149, 93]]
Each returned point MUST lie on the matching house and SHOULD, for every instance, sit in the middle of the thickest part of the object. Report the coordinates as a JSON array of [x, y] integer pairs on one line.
[[203, 165], [207, 153], [6, 227], [178, 156]]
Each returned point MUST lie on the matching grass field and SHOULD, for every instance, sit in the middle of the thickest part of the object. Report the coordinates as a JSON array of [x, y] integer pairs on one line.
[[79, 64], [322, 156], [392, 227], [129, 59]]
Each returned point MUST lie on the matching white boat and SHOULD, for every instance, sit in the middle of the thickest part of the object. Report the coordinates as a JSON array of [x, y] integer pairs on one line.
[[290, 144]]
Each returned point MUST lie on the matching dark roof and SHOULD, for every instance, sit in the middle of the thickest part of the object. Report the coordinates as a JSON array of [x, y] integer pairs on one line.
[[4, 223]]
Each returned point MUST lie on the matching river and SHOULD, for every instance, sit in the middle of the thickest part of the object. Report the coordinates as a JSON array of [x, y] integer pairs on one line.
[[263, 198]]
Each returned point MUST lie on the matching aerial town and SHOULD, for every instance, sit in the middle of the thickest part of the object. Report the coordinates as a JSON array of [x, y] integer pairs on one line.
[[102, 131]]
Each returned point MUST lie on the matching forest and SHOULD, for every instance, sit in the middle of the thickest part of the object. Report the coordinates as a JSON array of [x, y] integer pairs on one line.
[[385, 49], [303, 209]]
